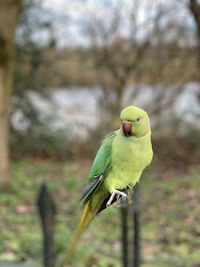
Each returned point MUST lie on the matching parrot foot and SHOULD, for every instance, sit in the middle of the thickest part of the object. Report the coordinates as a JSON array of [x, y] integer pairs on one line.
[[115, 192]]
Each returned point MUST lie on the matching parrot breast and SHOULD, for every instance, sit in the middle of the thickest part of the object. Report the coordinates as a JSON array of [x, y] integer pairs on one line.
[[130, 156]]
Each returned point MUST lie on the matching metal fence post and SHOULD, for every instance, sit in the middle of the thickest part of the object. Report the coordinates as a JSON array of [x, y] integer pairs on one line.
[[136, 221], [47, 211], [124, 220]]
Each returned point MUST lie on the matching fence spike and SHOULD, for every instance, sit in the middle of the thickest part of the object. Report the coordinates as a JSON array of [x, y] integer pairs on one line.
[[47, 212]]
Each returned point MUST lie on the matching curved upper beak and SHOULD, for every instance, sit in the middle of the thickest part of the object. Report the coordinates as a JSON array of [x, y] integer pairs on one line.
[[127, 128]]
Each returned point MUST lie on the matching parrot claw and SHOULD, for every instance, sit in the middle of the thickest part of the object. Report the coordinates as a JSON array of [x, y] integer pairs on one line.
[[115, 192]]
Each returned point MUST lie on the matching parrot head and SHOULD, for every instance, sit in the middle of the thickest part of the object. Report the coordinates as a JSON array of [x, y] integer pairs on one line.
[[134, 122]]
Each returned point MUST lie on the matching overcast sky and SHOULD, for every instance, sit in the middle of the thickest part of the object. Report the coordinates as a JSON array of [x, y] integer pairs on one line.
[[69, 17]]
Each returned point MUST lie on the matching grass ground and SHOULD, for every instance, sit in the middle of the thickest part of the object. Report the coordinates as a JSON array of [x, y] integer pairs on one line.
[[170, 218]]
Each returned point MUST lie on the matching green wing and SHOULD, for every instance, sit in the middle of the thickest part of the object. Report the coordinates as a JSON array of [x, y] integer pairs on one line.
[[100, 168]]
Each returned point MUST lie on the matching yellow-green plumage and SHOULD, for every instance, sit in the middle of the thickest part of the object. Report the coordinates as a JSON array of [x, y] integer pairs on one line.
[[129, 158], [119, 163]]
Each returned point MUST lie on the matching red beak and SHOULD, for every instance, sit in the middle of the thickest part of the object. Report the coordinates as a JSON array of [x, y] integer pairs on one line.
[[127, 128]]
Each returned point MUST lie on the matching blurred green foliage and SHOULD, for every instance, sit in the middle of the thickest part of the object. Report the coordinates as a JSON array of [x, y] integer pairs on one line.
[[170, 217]]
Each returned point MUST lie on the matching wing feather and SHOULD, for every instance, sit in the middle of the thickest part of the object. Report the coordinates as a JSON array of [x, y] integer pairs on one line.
[[100, 168]]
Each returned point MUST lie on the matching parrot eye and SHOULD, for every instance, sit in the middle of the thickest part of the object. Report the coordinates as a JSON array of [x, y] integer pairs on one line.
[[138, 119]]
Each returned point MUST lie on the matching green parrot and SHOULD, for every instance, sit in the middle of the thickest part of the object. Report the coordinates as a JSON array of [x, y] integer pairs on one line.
[[118, 165]]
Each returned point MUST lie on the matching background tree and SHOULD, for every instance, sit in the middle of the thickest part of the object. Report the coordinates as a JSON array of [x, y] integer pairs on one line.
[[35, 48], [116, 55], [9, 13], [127, 51], [194, 7]]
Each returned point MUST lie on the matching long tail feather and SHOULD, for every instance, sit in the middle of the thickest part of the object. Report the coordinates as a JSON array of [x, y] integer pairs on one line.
[[85, 220]]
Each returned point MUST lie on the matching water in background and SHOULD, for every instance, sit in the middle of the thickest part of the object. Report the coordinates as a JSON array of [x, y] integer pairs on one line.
[[78, 109]]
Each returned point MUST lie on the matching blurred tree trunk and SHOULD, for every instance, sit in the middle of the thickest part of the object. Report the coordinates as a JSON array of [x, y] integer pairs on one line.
[[9, 12], [195, 10]]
